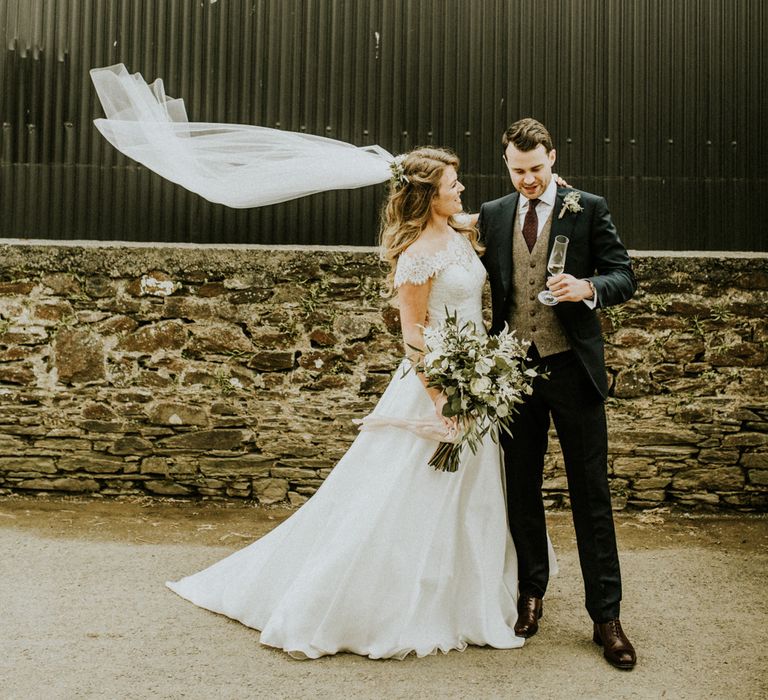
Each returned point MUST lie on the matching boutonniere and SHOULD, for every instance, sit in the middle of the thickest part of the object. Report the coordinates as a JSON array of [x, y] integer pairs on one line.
[[571, 204]]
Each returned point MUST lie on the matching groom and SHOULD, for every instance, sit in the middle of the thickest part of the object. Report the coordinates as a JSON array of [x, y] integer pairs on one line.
[[518, 231]]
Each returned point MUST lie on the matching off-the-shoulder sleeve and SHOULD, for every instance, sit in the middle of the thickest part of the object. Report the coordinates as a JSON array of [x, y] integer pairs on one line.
[[416, 269]]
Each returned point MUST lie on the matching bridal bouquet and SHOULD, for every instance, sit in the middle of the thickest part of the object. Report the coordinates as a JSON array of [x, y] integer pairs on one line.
[[482, 376]]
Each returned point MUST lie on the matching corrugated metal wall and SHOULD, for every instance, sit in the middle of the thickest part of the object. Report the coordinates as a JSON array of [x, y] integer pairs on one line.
[[659, 105]]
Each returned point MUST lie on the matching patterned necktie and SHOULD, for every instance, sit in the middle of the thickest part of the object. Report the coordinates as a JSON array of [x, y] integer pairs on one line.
[[531, 224]]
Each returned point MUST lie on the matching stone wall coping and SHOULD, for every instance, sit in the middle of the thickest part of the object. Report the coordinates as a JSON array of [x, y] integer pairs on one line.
[[716, 254], [42, 242]]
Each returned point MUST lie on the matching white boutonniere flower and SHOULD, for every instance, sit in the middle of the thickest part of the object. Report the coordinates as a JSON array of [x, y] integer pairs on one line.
[[571, 204]]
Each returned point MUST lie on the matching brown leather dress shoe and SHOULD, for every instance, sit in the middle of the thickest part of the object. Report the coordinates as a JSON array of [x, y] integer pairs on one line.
[[617, 649], [529, 610]]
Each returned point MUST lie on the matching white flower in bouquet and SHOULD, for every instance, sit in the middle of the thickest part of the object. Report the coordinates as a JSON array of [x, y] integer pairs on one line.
[[480, 386], [484, 366]]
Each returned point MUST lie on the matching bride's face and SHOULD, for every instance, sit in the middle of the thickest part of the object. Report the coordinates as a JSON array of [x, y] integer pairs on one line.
[[447, 201]]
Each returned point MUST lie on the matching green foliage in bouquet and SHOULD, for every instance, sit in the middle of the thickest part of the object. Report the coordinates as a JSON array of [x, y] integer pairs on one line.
[[483, 377]]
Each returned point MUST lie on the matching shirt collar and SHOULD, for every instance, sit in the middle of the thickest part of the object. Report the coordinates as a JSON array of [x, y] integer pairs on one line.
[[548, 197], [550, 194]]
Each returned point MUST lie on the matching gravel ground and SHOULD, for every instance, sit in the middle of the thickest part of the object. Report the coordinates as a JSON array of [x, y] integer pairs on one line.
[[84, 614]]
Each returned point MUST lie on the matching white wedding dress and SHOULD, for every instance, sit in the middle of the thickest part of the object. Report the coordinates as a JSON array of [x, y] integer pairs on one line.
[[389, 557]]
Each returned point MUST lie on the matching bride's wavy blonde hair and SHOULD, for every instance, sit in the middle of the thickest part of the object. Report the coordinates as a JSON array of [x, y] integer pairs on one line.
[[408, 208]]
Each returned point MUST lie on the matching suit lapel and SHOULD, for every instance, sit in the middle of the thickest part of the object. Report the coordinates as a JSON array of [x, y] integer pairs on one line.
[[506, 227]]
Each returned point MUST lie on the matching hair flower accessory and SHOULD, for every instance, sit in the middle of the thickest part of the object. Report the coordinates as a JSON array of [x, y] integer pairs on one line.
[[397, 169], [571, 204]]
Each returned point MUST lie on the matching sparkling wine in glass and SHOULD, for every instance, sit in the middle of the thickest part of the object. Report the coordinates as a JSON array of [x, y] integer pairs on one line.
[[555, 266]]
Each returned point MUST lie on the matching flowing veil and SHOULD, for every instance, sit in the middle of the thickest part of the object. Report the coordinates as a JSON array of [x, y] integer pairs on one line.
[[237, 165]]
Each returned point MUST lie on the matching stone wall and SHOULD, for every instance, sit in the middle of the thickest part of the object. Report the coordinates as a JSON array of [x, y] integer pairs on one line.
[[219, 372]]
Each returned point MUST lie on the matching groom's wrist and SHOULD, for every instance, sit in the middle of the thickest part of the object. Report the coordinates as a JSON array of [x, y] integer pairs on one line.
[[591, 293]]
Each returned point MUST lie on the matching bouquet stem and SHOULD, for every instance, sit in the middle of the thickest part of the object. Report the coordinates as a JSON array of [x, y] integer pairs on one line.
[[446, 457]]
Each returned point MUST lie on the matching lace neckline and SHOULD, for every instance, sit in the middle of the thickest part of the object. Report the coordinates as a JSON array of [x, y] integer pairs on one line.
[[454, 238], [418, 267]]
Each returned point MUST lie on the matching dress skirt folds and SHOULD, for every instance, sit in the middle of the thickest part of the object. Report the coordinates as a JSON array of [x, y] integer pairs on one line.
[[389, 557]]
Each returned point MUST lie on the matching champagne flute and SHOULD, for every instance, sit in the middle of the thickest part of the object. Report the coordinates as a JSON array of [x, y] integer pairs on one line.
[[555, 266]]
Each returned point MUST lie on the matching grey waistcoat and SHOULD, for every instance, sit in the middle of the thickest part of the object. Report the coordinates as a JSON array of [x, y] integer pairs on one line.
[[530, 318]]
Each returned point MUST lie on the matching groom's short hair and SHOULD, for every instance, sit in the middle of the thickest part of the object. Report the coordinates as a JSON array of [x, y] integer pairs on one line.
[[526, 134]]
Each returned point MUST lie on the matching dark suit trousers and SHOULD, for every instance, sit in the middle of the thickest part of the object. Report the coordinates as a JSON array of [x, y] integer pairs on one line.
[[578, 413]]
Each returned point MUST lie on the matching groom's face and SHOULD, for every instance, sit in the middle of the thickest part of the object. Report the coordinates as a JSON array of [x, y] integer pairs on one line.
[[530, 171]]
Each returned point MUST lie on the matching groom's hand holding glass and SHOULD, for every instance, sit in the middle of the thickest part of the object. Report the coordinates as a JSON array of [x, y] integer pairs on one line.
[[565, 287]]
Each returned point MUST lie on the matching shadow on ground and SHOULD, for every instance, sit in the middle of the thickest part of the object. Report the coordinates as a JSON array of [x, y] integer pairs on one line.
[[85, 613]]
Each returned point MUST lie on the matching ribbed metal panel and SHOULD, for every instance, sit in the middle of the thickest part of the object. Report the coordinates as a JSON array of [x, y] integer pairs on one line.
[[658, 105]]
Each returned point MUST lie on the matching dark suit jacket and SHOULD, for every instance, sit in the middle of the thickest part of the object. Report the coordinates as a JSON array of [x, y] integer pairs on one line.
[[594, 252]]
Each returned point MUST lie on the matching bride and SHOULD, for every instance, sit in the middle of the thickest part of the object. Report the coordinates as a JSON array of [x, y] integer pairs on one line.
[[390, 557]]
